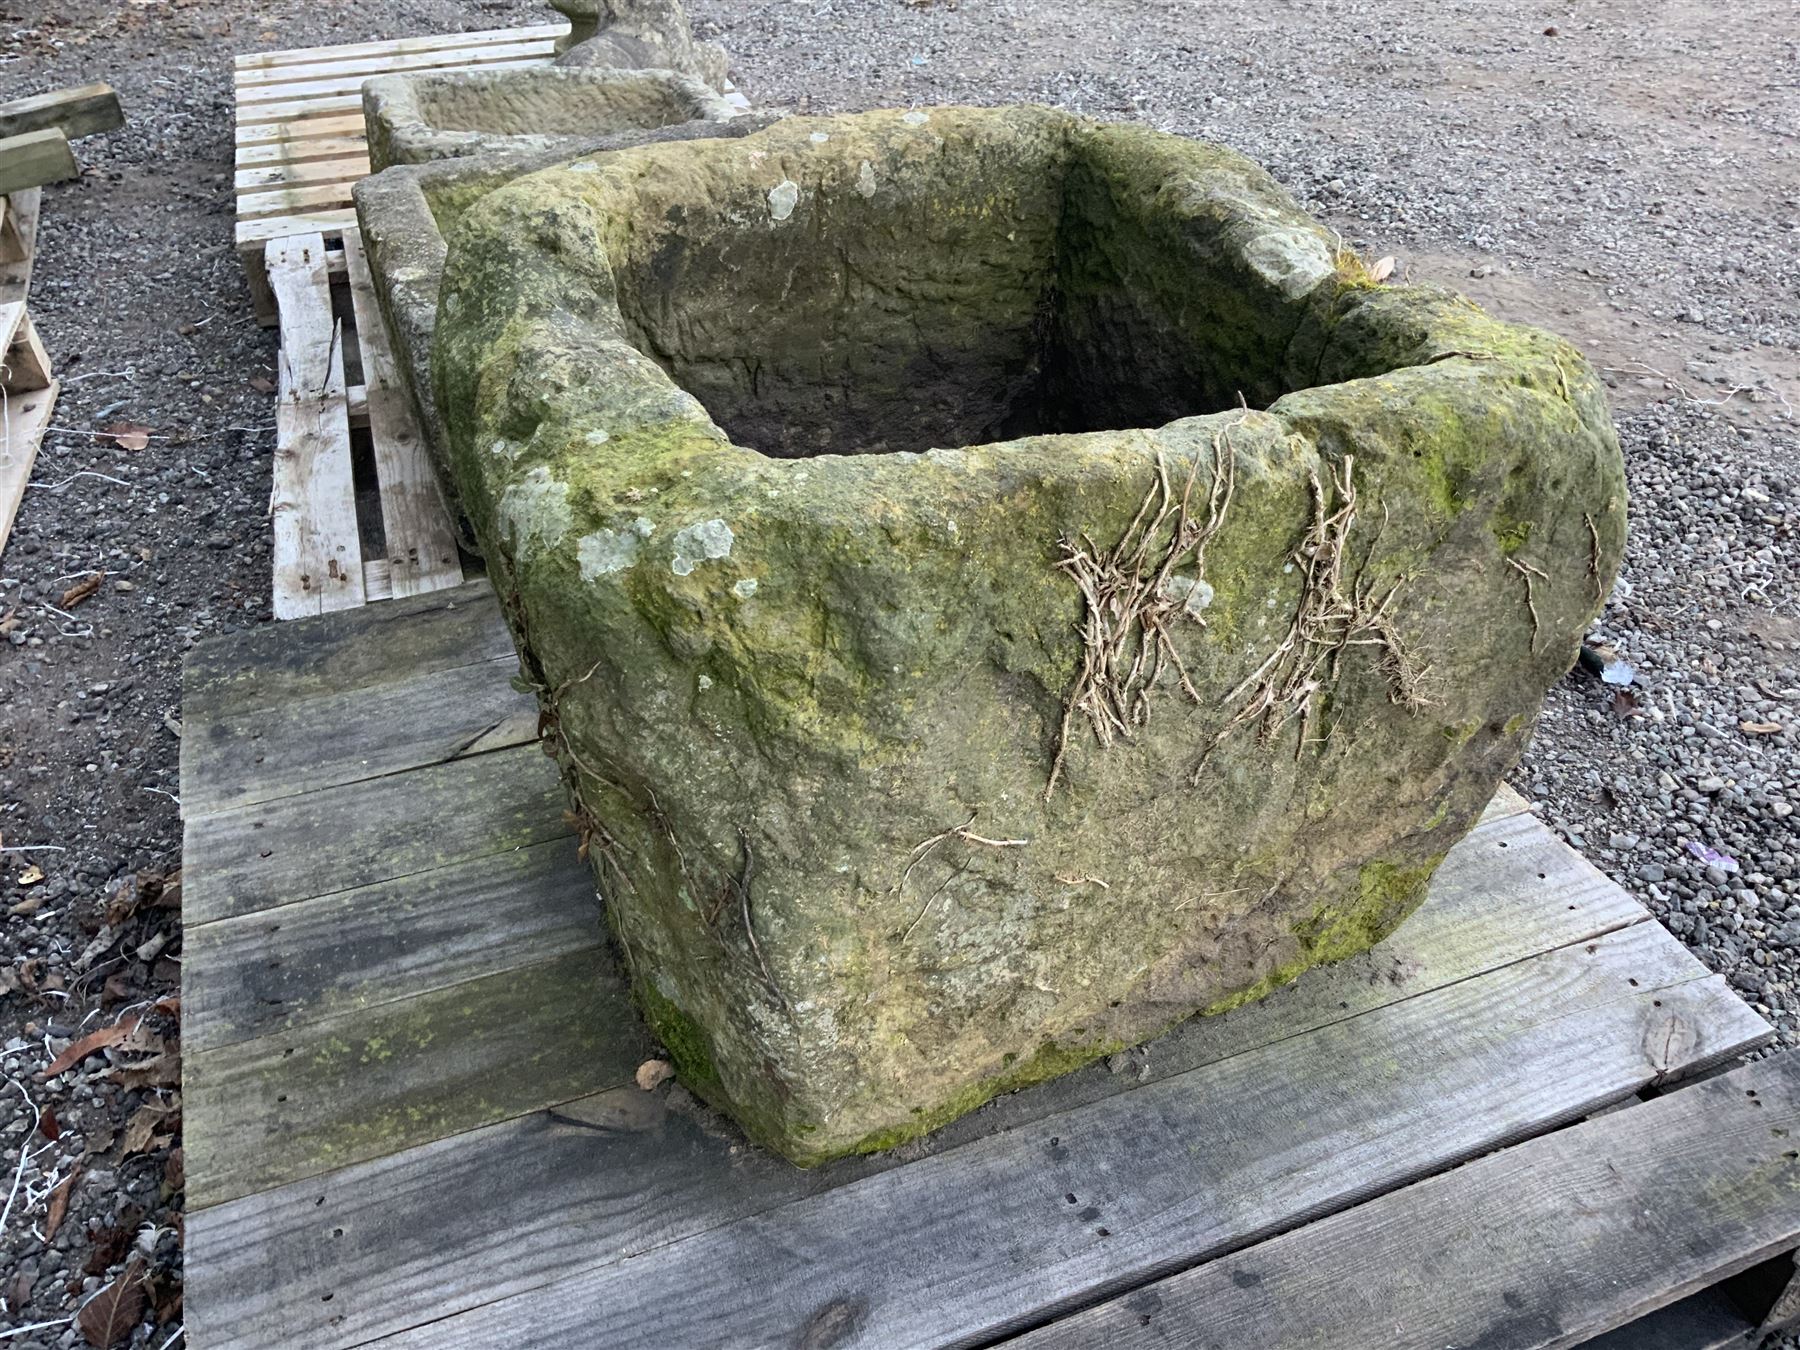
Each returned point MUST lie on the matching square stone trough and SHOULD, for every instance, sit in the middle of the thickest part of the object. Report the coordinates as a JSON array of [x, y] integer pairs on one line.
[[998, 584], [413, 119]]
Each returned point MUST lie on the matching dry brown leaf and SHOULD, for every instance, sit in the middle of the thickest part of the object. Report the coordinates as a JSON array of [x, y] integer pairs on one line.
[[110, 1316], [59, 1205], [129, 435], [160, 1071], [175, 1171], [140, 1130], [1761, 728], [31, 875], [47, 1125], [654, 1072], [1383, 268], [82, 589], [262, 384], [94, 1040]]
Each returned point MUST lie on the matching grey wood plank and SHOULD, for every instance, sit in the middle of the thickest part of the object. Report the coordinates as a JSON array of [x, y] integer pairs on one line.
[[341, 652], [971, 1244], [1537, 1248], [308, 744], [283, 968], [364, 1084], [624, 1173], [318, 843]]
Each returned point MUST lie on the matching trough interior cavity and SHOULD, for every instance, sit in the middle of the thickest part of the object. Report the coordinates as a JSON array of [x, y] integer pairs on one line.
[[1016, 287], [541, 107]]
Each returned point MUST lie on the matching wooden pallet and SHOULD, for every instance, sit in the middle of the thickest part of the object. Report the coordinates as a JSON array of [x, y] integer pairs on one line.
[[410, 1115], [300, 140], [328, 555], [27, 385]]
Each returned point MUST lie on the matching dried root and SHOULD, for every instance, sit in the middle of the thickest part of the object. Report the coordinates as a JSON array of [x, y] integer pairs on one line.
[[925, 848], [1134, 594], [1594, 559], [1527, 571], [1332, 616]]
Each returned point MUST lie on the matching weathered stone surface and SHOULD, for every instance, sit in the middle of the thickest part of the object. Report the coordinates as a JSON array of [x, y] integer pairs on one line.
[[640, 34], [813, 637], [413, 119], [403, 212]]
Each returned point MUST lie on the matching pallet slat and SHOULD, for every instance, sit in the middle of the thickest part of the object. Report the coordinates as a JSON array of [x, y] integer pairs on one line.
[[23, 420], [971, 1241], [257, 61], [1546, 1243], [344, 169], [317, 553], [298, 135], [340, 75], [421, 550]]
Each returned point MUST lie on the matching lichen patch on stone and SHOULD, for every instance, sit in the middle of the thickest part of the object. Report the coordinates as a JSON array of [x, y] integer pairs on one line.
[[705, 542], [782, 199], [606, 551], [744, 588], [534, 513], [865, 179]]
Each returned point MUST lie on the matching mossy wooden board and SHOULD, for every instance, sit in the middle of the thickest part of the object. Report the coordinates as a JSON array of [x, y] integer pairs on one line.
[[1504, 1007]]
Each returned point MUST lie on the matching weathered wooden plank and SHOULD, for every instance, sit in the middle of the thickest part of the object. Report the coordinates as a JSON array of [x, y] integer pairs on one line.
[[277, 156], [415, 523], [34, 158], [26, 365], [386, 729], [284, 968], [643, 1171], [319, 843], [963, 1246], [255, 61], [84, 111], [317, 548], [1543, 1245], [22, 423], [345, 169], [327, 223], [299, 137], [284, 202], [359, 649], [22, 216], [348, 74], [368, 1083], [327, 97]]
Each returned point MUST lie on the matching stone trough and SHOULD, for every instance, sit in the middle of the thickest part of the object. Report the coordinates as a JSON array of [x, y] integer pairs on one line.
[[997, 584], [412, 119]]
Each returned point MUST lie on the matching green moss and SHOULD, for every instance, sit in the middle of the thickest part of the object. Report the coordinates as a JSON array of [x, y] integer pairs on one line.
[[1051, 1060], [689, 1047], [1512, 533], [1385, 894]]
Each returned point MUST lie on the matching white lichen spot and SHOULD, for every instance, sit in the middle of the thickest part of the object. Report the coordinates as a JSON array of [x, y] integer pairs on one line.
[[705, 682], [505, 451], [452, 302], [745, 588], [597, 437], [1195, 594], [818, 138], [783, 197], [644, 526], [695, 544], [865, 179], [534, 512], [606, 551], [916, 118], [584, 166]]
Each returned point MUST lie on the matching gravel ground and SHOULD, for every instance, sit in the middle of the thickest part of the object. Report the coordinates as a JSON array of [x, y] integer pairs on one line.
[[1629, 175]]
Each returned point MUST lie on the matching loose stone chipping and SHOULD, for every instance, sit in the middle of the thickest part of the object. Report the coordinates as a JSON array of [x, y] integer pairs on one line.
[[851, 910]]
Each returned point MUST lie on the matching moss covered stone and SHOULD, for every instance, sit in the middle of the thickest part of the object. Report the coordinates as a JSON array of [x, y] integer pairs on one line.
[[786, 453]]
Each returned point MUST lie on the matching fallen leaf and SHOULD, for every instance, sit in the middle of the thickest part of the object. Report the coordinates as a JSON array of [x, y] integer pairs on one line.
[[94, 1040], [1383, 268], [47, 1125], [161, 1071], [175, 1171], [110, 1316], [140, 1130], [30, 906], [59, 1205], [107, 1247], [129, 435], [1625, 703], [31, 875], [1761, 728], [653, 1072], [262, 384]]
